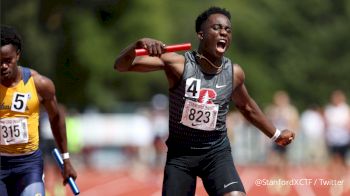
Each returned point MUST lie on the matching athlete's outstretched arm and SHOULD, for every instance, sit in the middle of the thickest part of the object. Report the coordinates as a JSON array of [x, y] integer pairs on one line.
[[171, 62], [47, 96], [128, 61], [251, 111]]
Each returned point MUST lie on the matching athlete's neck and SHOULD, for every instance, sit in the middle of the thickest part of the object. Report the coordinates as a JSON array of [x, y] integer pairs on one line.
[[207, 66]]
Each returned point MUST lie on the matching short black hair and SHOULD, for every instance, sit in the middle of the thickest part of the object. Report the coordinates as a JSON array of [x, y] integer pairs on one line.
[[205, 15], [9, 35]]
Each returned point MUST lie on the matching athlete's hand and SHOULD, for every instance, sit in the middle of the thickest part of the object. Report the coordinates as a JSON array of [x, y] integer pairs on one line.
[[153, 47], [285, 138], [68, 171]]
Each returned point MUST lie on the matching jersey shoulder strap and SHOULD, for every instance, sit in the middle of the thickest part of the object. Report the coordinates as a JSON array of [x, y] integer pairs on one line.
[[26, 74]]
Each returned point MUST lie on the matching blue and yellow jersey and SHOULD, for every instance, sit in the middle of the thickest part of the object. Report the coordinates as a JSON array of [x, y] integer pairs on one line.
[[19, 116]]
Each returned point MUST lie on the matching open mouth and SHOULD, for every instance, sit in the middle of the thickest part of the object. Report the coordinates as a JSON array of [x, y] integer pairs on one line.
[[221, 45], [4, 73]]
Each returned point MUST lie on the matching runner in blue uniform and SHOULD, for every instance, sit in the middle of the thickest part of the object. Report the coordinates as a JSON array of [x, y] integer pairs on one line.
[[22, 91]]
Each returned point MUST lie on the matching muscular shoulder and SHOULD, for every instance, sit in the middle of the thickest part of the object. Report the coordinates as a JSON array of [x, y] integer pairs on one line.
[[44, 85], [173, 66], [239, 75]]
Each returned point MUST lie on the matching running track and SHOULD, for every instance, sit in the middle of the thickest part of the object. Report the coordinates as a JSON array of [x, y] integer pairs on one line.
[[307, 181]]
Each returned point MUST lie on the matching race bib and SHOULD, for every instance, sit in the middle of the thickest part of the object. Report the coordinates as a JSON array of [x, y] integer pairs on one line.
[[199, 115], [13, 131], [192, 88], [19, 102]]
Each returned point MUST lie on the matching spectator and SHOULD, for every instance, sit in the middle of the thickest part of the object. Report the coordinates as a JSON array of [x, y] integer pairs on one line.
[[337, 118], [313, 127]]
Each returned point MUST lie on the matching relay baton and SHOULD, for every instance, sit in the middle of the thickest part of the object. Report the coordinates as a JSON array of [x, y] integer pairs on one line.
[[59, 162], [170, 48]]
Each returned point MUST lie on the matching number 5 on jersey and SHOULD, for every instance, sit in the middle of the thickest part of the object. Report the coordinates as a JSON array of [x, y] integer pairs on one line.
[[193, 87], [19, 102]]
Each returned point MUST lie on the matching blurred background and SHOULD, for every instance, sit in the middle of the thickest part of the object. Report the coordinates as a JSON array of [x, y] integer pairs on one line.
[[295, 55]]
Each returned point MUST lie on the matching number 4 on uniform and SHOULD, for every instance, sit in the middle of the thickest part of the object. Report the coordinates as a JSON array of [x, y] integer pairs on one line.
[[19, 102], [193, 86]]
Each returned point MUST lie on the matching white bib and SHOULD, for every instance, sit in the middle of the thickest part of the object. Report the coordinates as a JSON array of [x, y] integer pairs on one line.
[[199, 115], [13, 131]]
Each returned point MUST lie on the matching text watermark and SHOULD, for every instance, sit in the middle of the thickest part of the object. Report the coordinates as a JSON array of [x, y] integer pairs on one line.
[[299, 182]]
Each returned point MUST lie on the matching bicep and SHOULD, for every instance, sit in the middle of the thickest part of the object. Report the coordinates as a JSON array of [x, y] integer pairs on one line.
[[171, 63], [146, 64], [240, 96], [149, 63]]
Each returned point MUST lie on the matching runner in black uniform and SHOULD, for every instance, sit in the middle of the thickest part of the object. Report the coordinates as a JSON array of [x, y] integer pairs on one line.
[[201, 83]]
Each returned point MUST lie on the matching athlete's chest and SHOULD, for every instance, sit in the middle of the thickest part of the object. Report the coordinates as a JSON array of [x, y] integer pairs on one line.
[[204, 98], [208, 89], [18, 100]]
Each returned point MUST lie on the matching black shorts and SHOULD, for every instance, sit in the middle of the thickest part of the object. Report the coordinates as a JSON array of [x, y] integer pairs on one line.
[[214, 167]]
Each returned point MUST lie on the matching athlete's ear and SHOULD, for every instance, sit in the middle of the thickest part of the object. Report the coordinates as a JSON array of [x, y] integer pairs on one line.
[[18, 55], [200, 35]]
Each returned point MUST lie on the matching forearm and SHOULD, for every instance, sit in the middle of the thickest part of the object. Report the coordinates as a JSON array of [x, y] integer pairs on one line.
[[254, 115], [58, 128]]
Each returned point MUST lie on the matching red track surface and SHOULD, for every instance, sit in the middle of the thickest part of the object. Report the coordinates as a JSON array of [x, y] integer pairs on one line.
[[305, 181]]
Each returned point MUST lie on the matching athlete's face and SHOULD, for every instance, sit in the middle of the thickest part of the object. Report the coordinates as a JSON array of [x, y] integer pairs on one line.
[[215, 35], [9, 57]]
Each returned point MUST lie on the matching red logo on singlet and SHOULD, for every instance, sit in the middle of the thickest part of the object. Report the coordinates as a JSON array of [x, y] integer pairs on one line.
[[206, 95]]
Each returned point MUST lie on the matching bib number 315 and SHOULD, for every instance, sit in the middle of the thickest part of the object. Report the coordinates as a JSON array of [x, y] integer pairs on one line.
[[13, 131]]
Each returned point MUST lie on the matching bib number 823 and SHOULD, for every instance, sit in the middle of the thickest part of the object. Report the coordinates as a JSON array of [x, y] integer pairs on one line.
[[199, 116], [192, 116]]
